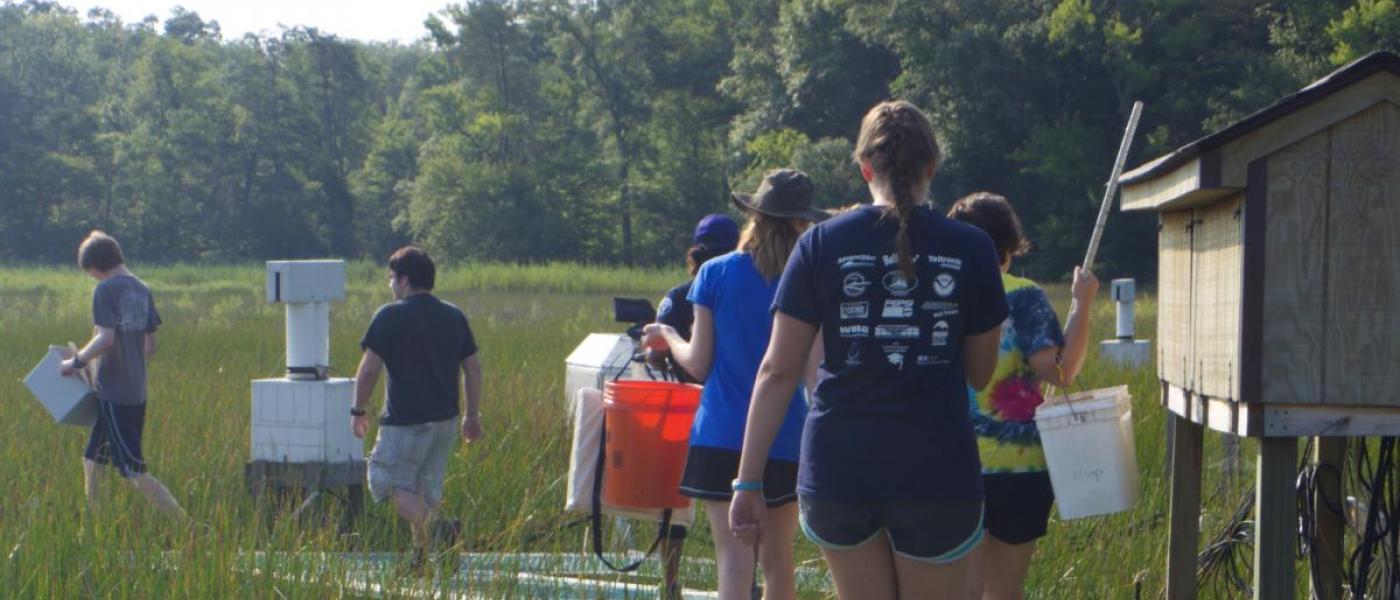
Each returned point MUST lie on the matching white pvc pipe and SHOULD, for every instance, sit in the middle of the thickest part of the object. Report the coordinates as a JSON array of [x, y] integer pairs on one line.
[[308, 334], [1124, 292], [1111, 187], [1125, 320]]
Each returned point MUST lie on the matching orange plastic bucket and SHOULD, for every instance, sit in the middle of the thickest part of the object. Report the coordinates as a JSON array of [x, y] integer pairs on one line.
[[648, 432]]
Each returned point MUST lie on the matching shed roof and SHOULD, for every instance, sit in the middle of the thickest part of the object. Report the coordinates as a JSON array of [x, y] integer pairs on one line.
[[1336, 80]]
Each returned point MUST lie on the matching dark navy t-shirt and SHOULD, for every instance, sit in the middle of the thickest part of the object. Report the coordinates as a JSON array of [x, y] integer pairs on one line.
[[423, 341], [889, 416], [676, 310]]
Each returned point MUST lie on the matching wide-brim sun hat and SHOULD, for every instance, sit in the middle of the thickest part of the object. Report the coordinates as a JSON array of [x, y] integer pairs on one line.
[[785, 194]]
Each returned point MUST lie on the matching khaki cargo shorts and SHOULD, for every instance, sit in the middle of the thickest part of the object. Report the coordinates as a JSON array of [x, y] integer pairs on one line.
[[412, 458]]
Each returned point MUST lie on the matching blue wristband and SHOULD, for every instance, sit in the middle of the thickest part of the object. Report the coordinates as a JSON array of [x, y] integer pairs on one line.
[[740, 485]]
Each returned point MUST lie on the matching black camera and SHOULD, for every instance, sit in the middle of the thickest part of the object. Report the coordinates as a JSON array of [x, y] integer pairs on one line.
[[636, 311]]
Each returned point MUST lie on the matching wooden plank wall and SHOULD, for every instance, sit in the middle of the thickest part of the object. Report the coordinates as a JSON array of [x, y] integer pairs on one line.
[[1217, 285], [1174, 298], [1363, 260], [1294, 272]]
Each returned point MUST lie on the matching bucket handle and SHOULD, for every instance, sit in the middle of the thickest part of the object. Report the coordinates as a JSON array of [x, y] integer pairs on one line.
[[597, 517], [1064, 391]]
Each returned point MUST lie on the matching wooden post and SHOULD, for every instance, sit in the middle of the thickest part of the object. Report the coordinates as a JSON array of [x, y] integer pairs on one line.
[[1230, 447], [1186, 448], [1330, 455], [1276, 519]]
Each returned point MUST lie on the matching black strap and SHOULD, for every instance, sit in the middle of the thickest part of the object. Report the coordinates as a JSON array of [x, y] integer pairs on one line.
[[597, 516]]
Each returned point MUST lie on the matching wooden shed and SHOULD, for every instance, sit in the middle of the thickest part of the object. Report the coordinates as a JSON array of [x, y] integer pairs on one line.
[[1279, 305], [1279, 274]]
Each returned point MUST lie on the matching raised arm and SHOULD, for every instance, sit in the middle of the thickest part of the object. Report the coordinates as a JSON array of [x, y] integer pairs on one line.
[[695, 356], [1076, 348], [782, 370]]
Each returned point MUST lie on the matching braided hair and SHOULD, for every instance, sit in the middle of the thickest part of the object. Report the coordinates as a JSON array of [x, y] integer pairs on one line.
[[898, 143]]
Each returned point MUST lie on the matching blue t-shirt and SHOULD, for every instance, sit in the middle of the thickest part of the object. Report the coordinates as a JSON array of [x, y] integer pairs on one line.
[[738, 296], [889, 416]]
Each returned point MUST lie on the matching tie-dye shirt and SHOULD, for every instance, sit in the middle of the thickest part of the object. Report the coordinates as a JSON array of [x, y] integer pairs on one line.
[[1003, 414]]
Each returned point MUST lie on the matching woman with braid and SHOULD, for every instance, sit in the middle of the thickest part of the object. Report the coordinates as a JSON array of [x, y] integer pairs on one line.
[[909, 305]]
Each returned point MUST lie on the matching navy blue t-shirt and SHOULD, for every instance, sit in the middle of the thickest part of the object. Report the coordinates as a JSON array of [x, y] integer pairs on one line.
[[889, 416], [676, 310], [423, 341]]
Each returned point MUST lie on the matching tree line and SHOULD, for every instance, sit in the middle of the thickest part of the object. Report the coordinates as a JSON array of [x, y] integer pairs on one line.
[[599, 131]]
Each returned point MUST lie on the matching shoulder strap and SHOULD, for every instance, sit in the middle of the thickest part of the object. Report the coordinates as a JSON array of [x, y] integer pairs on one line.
[[597, 516]]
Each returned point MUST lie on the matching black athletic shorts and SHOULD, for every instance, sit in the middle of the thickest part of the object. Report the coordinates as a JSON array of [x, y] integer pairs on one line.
[[1018, 505], [116, 437], [938, 532], [710, 472]]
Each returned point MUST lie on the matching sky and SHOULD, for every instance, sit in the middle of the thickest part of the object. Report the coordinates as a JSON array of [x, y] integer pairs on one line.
[[368, 20]]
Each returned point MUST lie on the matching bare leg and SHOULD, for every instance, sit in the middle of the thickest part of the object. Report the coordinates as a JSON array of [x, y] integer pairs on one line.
[[94, 476], [733, 557], [158, 495], [977, 568], [918, 579], [775, 553], [866, 571], [1003, 569], [412, 508], [671, 550]]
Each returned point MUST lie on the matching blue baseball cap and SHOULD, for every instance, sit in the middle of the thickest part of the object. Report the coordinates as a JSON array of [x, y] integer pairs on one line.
[[717, 232]]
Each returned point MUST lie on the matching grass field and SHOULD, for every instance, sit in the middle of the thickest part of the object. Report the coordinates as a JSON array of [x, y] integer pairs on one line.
[[508, 488]]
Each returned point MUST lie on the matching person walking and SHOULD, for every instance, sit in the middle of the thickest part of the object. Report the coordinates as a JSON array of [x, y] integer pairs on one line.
[[731, 294], [908, 304], [125, 321], [1033, 351], [715, 235], [426, 344]]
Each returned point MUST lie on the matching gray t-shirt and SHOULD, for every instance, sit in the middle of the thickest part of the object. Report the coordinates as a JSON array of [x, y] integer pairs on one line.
[[123, 303]]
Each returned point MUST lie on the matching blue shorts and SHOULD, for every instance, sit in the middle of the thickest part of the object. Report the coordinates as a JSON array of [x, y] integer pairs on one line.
[[938, 532], [116, 437]]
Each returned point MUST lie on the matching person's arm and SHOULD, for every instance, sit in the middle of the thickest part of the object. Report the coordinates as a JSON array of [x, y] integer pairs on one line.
[[782, 369], [695, 356], [151, 344], [980, 357], [814, 362], [366, 377], [471, 419], [101, 341], [1076, 348]]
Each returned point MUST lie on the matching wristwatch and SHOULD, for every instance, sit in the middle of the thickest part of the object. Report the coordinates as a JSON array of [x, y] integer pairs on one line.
[[358, 412]]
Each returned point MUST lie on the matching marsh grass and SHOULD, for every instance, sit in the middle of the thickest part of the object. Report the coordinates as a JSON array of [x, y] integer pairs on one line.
[[508, 488]]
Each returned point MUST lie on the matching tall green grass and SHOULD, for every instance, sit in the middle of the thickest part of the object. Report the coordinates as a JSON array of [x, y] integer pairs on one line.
[[508, 488]]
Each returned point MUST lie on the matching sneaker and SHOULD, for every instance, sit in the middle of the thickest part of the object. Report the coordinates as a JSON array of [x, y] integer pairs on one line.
[[447, 536]]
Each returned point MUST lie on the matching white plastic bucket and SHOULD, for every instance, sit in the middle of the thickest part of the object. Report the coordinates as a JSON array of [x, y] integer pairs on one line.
[[1088, 441]]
